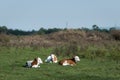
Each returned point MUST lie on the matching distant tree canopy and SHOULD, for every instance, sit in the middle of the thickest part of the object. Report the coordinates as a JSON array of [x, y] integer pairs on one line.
[[20, 32], [41, 31], [48, 31], [3, 29], [95, 27]]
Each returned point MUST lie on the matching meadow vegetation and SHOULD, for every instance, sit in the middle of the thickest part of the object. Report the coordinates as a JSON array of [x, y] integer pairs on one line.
[[13, 60], [99, 53]]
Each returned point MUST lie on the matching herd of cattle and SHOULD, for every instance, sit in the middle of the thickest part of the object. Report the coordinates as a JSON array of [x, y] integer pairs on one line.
[[52, 59]]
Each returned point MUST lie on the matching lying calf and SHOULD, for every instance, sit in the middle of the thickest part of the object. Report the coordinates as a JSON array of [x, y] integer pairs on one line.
[[51, 59], [34, 63], [70, 62]]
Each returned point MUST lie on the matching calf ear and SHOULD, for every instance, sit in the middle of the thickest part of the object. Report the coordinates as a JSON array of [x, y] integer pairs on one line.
[[35, 59]]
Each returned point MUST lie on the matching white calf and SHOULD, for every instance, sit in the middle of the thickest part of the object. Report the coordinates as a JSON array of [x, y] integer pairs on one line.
[[34, 63], [51, 59], [70, 62]]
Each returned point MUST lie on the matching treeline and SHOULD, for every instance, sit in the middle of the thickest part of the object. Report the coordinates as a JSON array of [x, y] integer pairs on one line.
[[5, 30], [41, 31]]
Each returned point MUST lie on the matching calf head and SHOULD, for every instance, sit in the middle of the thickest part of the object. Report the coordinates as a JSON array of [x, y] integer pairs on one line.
[[76, 58], [39, 60], [54, 58]]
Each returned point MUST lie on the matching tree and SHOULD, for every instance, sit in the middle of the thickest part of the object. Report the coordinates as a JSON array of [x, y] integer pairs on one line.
[[52, 30], [3, 29], [112, 28], [95, 27], [42, 31], [85, 29]]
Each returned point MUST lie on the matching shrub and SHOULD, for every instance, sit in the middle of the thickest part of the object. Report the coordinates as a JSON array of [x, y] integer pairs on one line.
[[90, 53], [115, 54], [4, 38], [93, 52], [115, 34], [67, 50]]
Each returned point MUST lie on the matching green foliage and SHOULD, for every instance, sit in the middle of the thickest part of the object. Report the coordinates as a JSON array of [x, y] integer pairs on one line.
[[48, 31], [13, 59], [89, 52], [20, 32], [67, 50], [85, 29], [114, 54], [3, 29], [95, 27], [41, 31], [93, 52]]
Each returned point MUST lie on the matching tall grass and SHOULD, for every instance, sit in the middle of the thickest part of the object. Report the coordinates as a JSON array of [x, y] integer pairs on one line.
[[90, 52]]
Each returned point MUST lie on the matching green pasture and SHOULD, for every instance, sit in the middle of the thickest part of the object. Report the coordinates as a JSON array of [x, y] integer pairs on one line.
[[12, 61]]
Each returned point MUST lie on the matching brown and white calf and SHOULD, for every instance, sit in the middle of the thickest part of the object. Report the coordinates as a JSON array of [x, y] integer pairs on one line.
[[70, 62], [51, 59], [34, 63]]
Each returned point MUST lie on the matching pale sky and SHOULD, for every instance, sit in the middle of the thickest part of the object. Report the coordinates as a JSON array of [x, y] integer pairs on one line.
[[34, 14]]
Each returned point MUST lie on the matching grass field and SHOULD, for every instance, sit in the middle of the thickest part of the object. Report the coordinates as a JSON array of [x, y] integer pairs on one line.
[[13, 59]]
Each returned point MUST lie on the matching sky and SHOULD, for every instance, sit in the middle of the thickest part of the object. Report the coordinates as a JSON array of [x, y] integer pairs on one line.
[[34, 14]]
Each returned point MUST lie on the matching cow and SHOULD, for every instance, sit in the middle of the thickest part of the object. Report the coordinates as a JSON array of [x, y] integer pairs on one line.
[[51, 59], [70, 62], [34, 63]]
